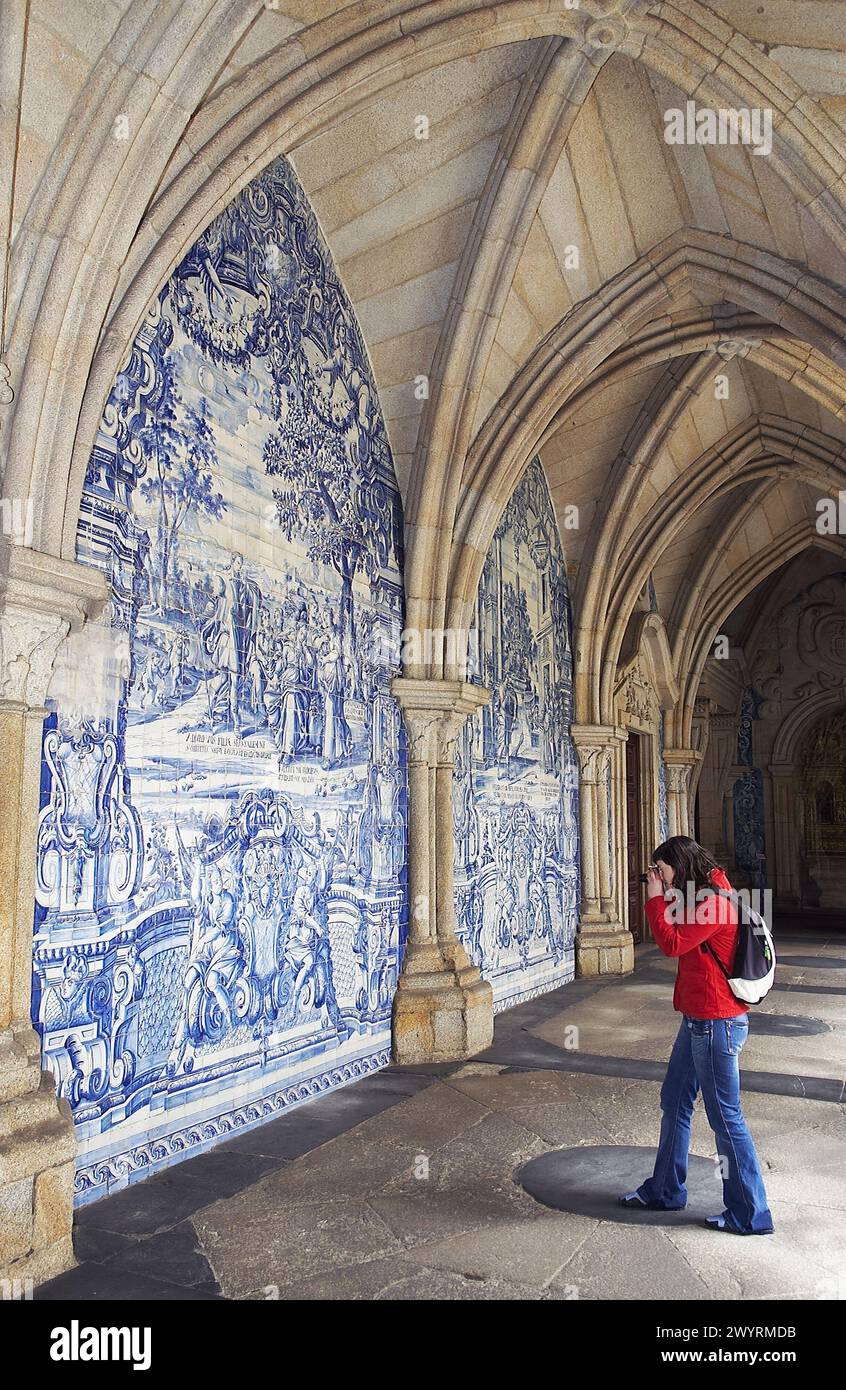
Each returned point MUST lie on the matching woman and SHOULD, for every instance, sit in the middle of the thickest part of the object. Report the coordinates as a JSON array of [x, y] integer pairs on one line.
[[337, 737], [713, 1029]]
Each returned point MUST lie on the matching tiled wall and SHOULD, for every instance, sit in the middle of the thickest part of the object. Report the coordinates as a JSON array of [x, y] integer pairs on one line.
[[748, 798], [516, 784], [663, 816], [221, 866]]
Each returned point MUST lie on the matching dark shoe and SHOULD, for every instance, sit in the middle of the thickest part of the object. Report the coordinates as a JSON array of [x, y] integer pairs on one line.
[[631, 1199], [723, 1222]]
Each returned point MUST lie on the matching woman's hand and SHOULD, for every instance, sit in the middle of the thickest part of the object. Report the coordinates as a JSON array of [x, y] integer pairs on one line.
[[654, 884]]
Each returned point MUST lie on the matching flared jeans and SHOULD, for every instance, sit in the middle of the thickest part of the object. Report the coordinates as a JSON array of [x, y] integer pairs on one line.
[[705, 1056]]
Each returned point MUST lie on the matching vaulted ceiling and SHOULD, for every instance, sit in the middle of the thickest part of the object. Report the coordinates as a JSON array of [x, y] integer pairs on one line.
[[663, 323]]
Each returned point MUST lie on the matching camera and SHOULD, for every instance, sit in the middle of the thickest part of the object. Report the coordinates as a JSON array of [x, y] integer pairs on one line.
[[644, 878]]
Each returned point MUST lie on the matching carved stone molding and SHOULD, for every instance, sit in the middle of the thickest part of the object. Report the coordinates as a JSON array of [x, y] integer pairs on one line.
[[594, 744], [608, 34], [42, 599], [729, 348], [28, 646], [677, 776], [608, 24], [593, 763], [638, 696], [420, 727], [434, 712]]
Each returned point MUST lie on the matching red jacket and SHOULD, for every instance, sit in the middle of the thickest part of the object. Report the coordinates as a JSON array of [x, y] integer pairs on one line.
[[701, 990]]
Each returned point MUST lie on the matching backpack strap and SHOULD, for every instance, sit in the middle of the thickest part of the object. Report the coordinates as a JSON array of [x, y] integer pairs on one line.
[[709, 948], [706, 945]]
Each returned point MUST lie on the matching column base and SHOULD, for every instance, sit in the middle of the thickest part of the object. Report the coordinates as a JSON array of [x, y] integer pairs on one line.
[[443, 1009], [37, 1152], [608, 952]]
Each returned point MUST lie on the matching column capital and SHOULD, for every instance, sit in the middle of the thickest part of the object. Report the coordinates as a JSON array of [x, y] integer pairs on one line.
[[42, 599], [682, 757], [594, 744], [434, 712], [441, 697], [599, 734]]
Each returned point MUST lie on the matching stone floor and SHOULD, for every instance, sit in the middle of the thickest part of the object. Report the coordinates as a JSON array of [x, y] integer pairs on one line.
[[405, 1185]]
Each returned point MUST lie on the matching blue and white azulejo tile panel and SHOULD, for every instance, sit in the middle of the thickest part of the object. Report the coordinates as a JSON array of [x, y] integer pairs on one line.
[[221, 901], [516, 776]]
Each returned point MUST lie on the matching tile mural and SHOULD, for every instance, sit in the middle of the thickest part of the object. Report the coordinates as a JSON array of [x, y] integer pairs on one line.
[[221, 847], [516, 775], [748, 798], [663, 814]]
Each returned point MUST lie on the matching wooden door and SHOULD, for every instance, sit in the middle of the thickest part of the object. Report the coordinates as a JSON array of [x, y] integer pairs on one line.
[[634, 854]]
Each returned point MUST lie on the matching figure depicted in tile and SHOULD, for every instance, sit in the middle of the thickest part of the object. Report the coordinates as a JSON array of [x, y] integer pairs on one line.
[[516, 780], [222, 834]]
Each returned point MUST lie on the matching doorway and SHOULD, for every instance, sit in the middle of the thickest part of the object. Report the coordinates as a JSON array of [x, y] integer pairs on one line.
[[634, 848]]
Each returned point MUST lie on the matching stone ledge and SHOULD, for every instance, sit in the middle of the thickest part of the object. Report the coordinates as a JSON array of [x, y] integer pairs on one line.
[[20, 1062], [36, 1133], [604, 953]]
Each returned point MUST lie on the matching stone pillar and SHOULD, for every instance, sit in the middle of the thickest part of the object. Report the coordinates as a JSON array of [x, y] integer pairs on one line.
[[43, 599], [786, 830], [700, 739], [443, 1009], [603, 945], [679, 763]]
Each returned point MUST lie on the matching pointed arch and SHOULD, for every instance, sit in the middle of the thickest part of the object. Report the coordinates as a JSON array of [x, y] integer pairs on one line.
[[88, 285], [804, 305]]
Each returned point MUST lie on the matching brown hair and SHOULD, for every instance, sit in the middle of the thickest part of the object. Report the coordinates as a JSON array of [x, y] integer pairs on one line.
[[690, 862]]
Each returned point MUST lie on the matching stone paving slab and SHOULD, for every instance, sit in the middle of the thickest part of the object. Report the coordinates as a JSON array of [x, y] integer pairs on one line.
[[473, 1226], [399, 1280], [425, 1216], [531, 1252], [803, 1259], [618, 1262]]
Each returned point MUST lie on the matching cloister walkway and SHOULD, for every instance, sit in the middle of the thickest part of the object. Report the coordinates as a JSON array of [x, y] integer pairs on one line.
[[407, 1185]]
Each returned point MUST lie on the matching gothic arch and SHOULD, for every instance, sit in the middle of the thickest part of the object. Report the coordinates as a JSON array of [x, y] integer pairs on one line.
[[725, 599], [81, 284], [652, 638], [800, 720], [759, 451], [587, 336]]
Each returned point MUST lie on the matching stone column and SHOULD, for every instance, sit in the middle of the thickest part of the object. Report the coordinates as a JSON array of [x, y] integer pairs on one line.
[[679, 763], [700, 739], [603, 945], [786, 830], [43, 599], [443, 1009]]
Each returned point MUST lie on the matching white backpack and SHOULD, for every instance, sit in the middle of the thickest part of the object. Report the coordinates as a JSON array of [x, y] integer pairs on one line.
[[753, 968]]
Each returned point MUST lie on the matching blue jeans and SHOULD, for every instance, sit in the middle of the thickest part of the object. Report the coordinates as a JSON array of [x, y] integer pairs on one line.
[[705, 1055]]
